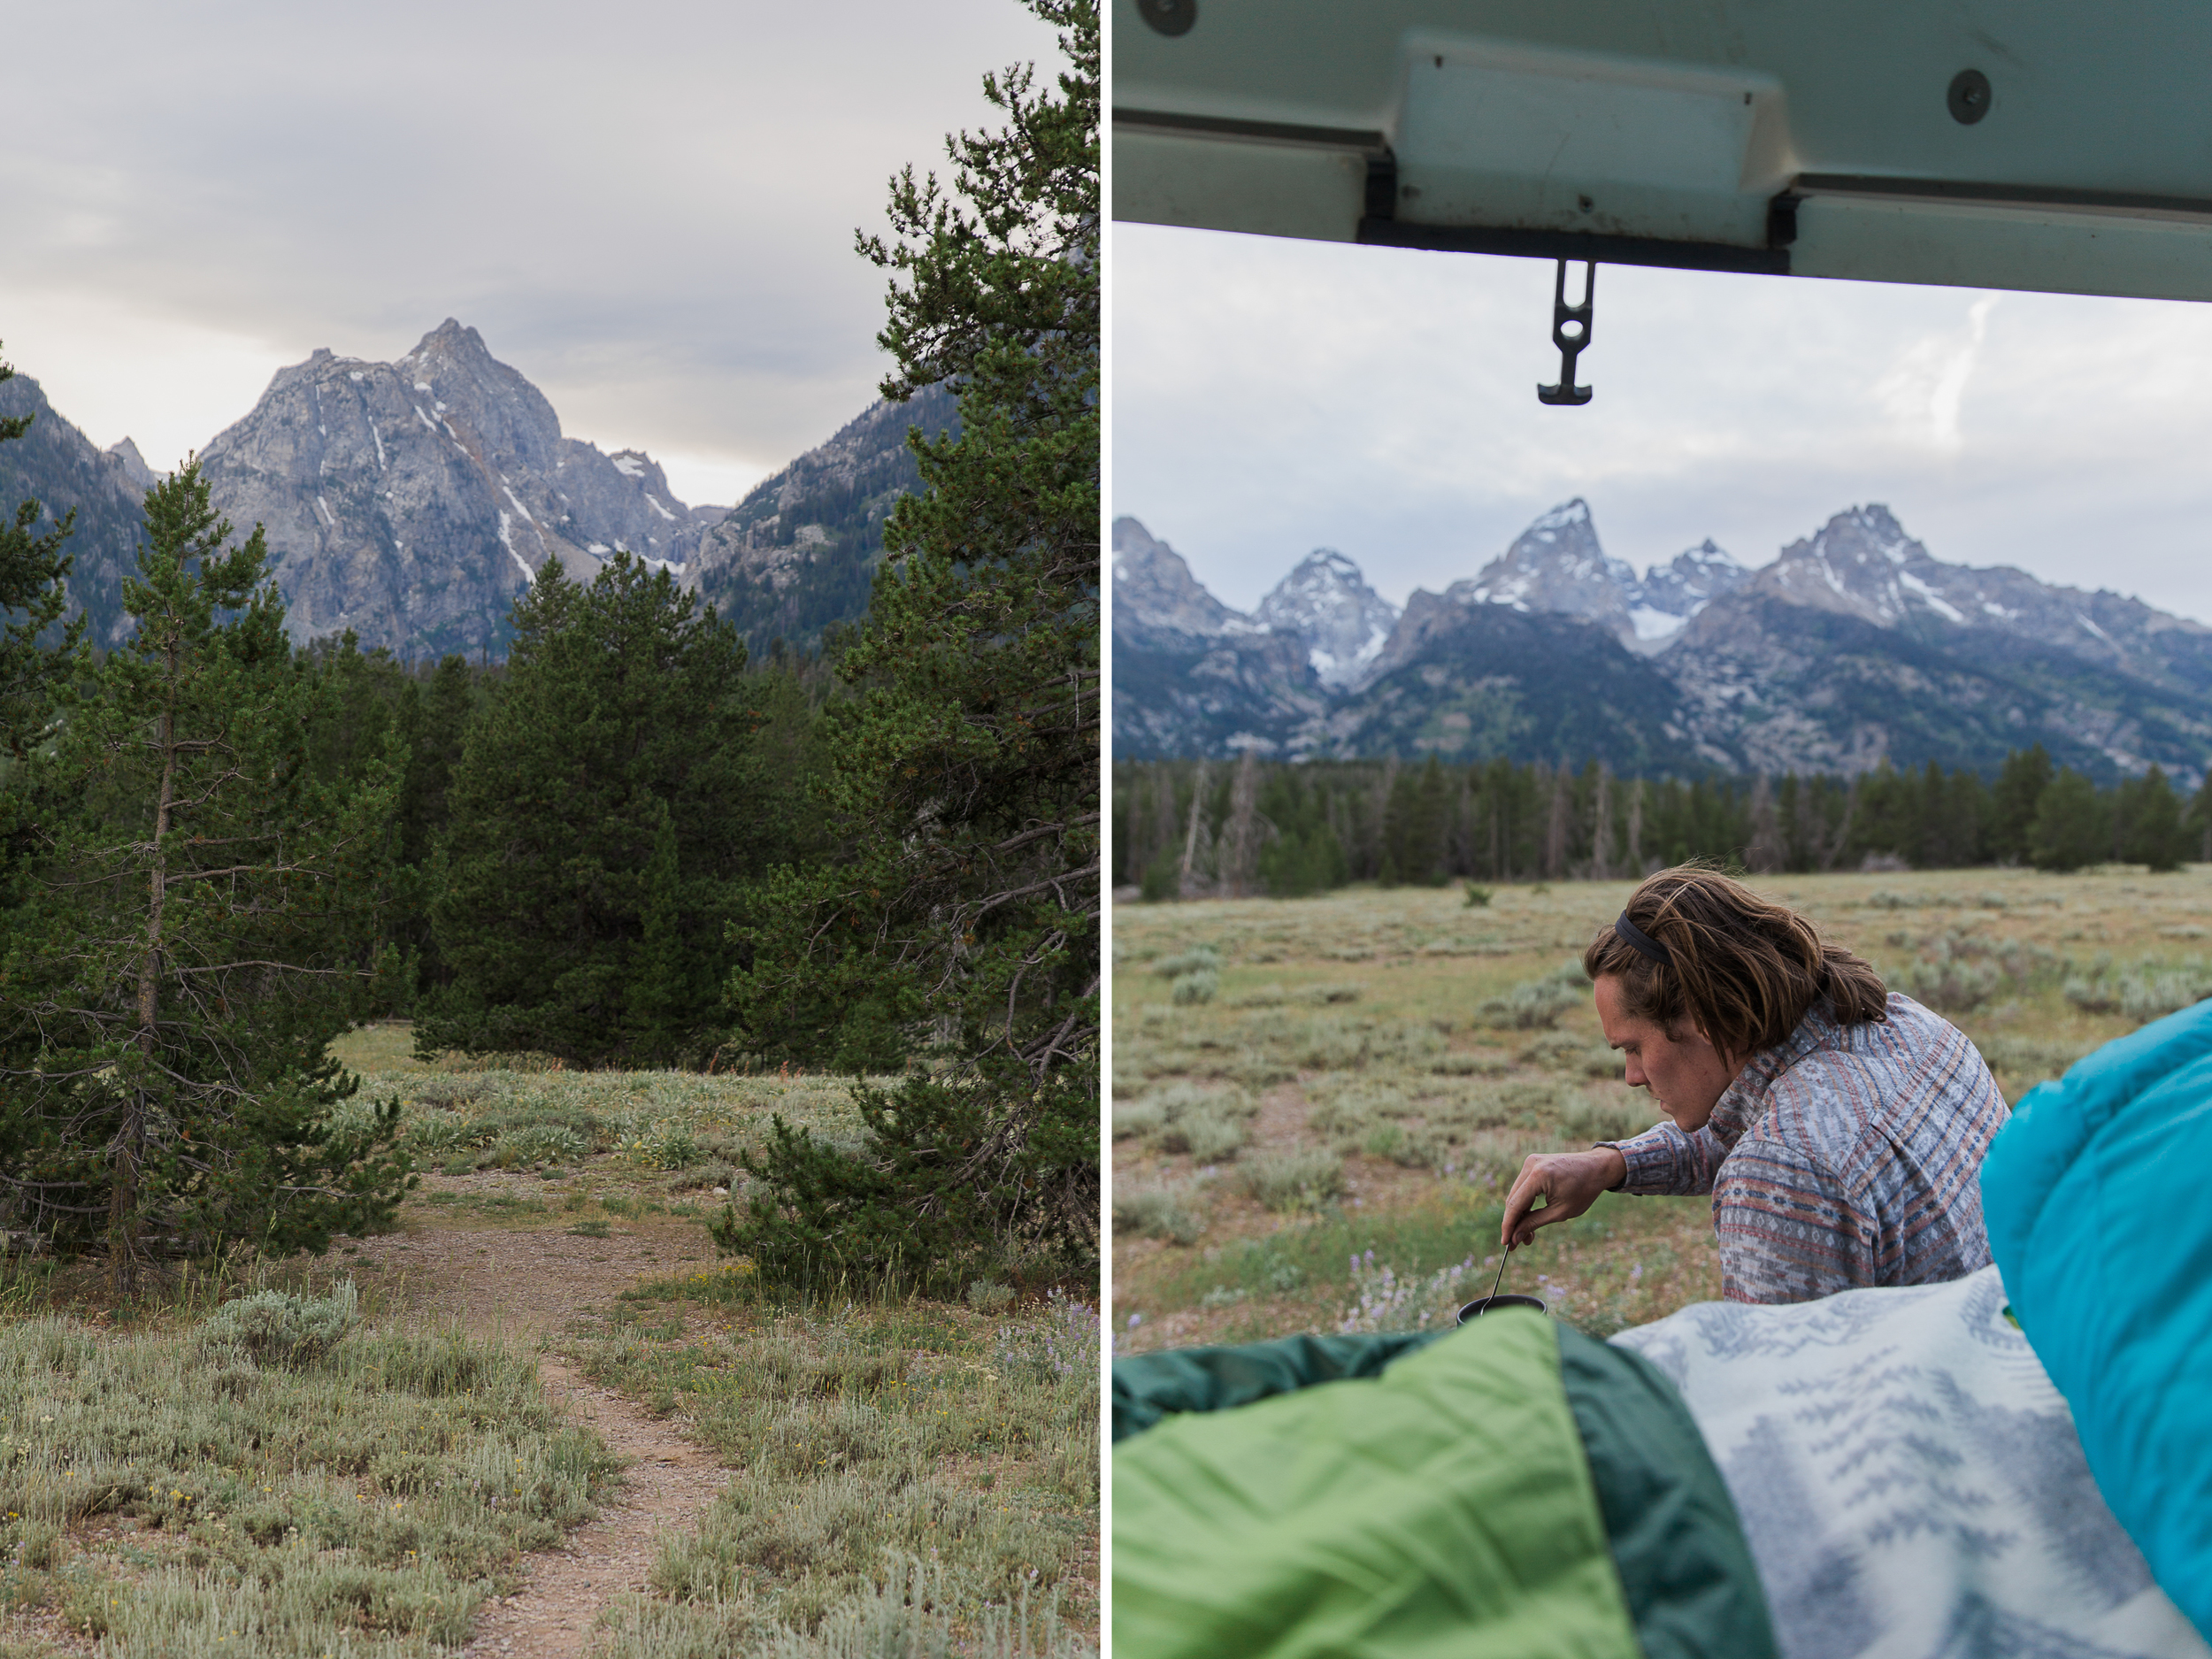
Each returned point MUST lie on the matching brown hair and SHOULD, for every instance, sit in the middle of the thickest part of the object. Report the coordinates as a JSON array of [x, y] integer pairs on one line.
[[1741, 970]]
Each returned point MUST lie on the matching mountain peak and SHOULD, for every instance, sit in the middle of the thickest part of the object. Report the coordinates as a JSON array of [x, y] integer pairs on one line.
[[411, 501], [454, 338], [1707, 552], [1556, 564], [1326, 605], [1155, 590], [1861, 562], [124, 454]]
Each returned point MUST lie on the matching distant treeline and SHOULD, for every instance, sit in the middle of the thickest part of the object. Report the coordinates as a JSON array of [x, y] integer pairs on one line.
[[1192, 828]]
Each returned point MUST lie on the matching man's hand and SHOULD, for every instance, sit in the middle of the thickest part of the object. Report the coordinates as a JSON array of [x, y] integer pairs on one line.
[[1569, 1182]]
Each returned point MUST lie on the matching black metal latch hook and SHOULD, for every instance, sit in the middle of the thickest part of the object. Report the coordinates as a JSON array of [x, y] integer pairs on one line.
[[1571, 332]]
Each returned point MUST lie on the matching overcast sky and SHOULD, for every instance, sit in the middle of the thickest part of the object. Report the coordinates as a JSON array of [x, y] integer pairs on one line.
[[1271, 396], [647, 209]]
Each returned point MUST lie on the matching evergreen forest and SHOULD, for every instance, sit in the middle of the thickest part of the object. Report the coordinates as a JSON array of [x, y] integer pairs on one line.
[[1187, 828]]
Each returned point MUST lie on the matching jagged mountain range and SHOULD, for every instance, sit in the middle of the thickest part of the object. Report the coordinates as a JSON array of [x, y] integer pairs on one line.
[[413, 501], [1854, 647]]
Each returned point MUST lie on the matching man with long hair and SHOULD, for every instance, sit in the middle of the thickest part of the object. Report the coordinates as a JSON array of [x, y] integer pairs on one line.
[[1838, 1126]]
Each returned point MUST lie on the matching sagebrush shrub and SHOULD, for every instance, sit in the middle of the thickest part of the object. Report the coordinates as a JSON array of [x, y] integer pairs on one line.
[[1534, 1003], [1159, 1212], [1292, 1180], [280, 1328]]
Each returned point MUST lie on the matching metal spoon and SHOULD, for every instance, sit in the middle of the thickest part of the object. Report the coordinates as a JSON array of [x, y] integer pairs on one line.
[[1500, 1279]]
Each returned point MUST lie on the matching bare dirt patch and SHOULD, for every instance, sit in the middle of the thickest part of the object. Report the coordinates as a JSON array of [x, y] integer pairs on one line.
[[529, 1281]]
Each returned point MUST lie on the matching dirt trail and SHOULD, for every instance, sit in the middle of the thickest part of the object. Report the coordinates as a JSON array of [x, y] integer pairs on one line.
[[528, 1284]]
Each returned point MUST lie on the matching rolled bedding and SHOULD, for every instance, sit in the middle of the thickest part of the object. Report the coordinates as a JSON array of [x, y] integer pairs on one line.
[[1908, 1481], [1885, 1472]]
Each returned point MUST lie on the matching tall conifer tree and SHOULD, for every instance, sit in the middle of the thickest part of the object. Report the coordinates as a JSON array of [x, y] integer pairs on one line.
[[200, 921], [2072, 826], [959, 922]]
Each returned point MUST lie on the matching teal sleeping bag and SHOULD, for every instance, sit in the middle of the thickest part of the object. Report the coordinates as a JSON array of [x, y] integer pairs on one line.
[[2094, 1197]]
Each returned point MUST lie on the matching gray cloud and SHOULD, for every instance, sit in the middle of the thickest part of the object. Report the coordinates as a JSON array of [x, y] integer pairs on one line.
[[1270, 396], [648, 209]]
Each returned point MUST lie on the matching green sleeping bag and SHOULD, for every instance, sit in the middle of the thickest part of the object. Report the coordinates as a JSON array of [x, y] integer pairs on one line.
[[1513, 1488]]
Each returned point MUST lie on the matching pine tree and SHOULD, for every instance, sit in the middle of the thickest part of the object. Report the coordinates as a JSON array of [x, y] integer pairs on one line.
[[2198, 824], [2150, 814], [200, 922], [2072, 826], [623, 709], [959, 923], [433, 719], [2019, 790]]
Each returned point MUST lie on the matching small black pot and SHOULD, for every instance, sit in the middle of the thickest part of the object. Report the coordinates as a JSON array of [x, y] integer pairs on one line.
[[1483, 1304]]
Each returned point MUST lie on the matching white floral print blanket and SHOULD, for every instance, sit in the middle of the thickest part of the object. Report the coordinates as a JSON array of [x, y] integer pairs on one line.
[[1910, 1483]]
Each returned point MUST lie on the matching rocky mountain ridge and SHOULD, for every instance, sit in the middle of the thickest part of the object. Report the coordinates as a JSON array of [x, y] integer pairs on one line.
[[413, 501], [1854, 647], [799, 554], [1556, 567]]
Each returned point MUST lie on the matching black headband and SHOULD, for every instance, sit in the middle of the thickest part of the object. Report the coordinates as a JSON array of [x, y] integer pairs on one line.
[[1642, 943]]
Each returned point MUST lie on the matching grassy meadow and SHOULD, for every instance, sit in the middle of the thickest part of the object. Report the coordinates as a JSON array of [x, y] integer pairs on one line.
[[303, 1457], [959, 1443], [309, 1481], [1319, 1103]]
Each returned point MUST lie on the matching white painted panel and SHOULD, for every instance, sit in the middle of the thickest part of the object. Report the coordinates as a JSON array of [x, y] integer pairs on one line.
[[1228, 184], [1491, 133], [2036, 249]]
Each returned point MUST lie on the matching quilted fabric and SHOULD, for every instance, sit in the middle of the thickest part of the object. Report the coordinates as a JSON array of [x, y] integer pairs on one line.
[[1444, 1509], [2095, 1196]]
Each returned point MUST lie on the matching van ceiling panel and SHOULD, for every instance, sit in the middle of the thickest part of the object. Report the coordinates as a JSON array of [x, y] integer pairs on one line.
[[2030, 145]]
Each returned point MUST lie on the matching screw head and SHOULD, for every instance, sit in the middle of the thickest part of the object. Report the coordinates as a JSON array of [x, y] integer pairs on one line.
[[1969, 98], [1169, 17]]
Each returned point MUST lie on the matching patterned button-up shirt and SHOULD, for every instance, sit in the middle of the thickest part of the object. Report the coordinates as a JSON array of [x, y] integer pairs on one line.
[[1844, 1156]]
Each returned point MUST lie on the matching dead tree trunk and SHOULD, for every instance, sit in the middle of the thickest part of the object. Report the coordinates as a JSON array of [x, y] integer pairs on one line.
[[1190, 840]]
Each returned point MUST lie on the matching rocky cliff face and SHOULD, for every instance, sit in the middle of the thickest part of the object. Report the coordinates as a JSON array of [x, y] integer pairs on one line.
[[799, 554], [411, 501], [1326, 604], [1555, 566], [58, 467], [1861, 562], [1155, 592], [124, 454]]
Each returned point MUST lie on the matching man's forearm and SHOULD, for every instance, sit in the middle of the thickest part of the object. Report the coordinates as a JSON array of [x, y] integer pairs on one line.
[[1664, 1161]]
